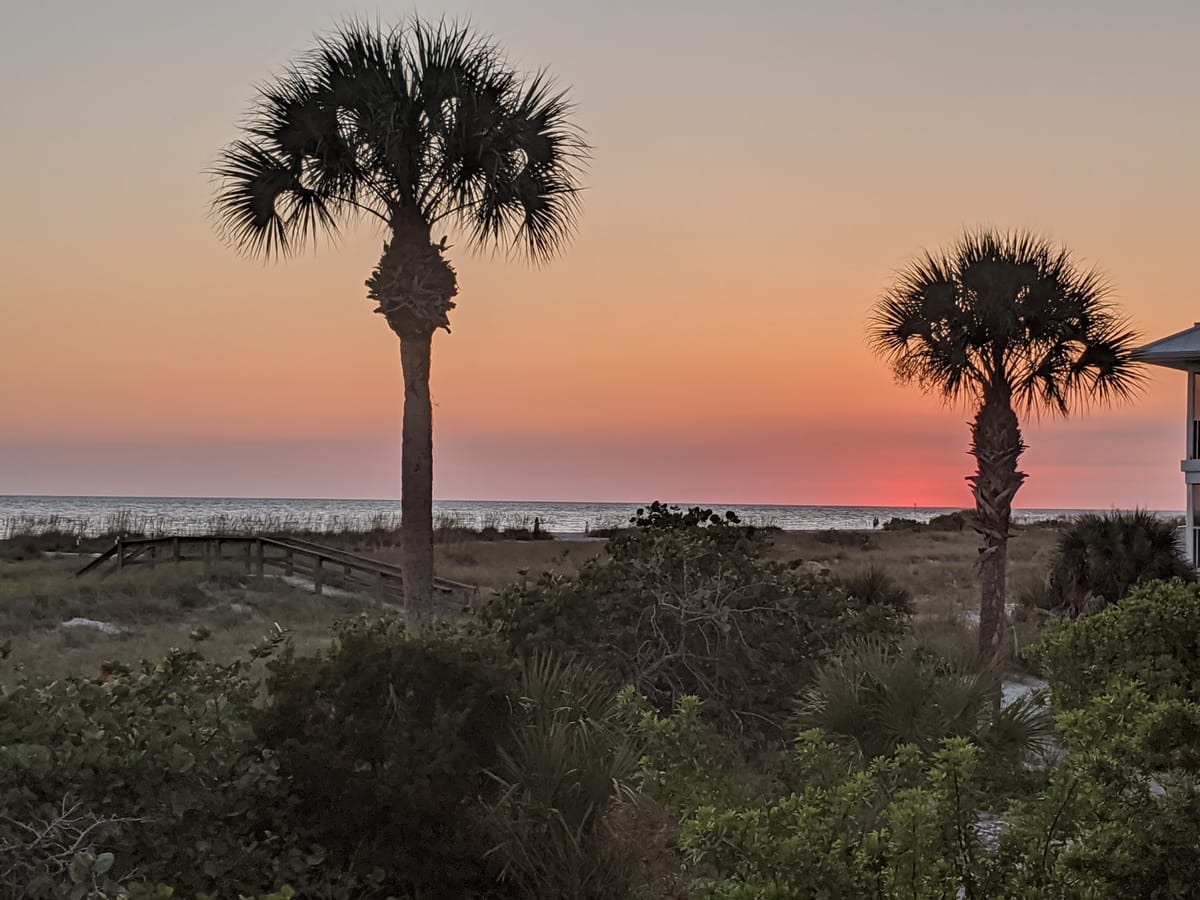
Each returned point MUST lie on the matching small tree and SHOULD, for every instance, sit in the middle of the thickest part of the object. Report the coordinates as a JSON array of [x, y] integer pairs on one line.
[[1004, 322]]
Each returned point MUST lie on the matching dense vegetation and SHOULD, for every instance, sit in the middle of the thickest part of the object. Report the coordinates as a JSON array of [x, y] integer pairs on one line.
[[1101, 558], [686, 717], [687, 604]]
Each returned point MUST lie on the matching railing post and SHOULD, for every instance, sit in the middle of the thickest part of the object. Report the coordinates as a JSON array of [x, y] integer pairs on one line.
[[289, 563], [153, 555], [318, 574], [258, 561], [176, 553], [120, 554]]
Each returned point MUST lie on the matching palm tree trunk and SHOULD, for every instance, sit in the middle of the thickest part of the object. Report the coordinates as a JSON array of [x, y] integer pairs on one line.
[[416, 481], [997, 446], [415, 286]]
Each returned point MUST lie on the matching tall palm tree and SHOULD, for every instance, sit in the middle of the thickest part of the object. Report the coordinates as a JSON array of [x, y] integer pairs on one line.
[[413, 127], [1007, 323]]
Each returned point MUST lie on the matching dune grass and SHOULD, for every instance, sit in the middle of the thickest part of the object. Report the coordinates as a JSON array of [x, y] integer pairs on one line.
[[170, 605], [154, 610], [938, 567]]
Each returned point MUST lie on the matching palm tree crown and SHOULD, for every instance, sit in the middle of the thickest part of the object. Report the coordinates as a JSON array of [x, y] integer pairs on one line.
[[1009, 317], [422, 121]]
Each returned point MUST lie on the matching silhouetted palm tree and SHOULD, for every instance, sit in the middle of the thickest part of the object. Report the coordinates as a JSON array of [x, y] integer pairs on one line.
[[1005, 322], [415, 127]]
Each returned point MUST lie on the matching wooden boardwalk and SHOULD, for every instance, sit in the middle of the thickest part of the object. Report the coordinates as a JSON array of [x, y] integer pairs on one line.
[[323, 566]]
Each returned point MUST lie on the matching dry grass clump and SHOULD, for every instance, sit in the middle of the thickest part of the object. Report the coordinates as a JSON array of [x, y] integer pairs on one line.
[[154, 610], [938, 567]]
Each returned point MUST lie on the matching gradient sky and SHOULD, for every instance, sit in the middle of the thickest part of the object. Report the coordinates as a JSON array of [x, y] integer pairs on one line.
[[761, 170]]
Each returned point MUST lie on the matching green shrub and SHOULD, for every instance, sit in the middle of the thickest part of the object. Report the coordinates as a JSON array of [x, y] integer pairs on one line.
[[1121, 814], [687, 604], [385, 741], [565, 771], [955, 521], [681, 764], [874, 587], [1152, 637], [1100, 559], [902, 827], [162, 758], [873, 699], [900, 523]]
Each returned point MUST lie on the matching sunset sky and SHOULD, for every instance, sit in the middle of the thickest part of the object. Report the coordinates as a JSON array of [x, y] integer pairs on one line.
[[761, 170]]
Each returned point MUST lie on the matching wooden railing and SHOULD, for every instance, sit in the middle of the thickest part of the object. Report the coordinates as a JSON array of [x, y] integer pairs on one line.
[[323, 566]]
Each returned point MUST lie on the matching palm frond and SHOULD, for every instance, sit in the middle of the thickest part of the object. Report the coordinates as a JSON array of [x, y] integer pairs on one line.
[[423, 121], [1008, 314], [262, 207]]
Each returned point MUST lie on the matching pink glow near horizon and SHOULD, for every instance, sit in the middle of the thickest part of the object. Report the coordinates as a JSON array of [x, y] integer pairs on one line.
[[702, 338]]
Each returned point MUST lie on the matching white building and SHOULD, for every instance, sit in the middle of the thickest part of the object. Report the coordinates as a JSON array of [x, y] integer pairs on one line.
[[1182, 351]]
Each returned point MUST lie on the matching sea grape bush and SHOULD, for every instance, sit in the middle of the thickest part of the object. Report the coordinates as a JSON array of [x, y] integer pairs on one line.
[[165, 754], [1152, 636], [385, 740], [688, 604], [898, 828]]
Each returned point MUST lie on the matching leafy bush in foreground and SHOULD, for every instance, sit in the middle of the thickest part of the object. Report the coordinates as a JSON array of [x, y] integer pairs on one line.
[[912, 825], [687, 604], [1152, 636], [165, 755], [384, 741], [898, 828]]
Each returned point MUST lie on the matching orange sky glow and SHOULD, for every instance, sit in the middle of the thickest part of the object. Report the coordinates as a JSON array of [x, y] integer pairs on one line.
[[761, 170]]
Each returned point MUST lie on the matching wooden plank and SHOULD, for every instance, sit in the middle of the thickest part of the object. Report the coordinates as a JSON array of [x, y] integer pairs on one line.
[[98, 561], [294, 557]]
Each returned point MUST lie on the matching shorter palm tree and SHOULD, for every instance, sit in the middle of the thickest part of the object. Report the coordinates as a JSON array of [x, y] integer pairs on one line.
[[1100, 559], [872, 698], [1007, 323]]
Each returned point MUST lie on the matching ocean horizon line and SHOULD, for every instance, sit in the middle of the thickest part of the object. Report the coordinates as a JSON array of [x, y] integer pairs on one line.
[[533, 501], [186, 515]]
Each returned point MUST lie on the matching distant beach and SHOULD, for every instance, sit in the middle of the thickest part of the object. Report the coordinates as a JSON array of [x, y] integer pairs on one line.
[[158, 515]]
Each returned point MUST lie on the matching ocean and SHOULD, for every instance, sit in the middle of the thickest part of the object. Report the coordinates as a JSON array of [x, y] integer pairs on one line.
[[190, 515]]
